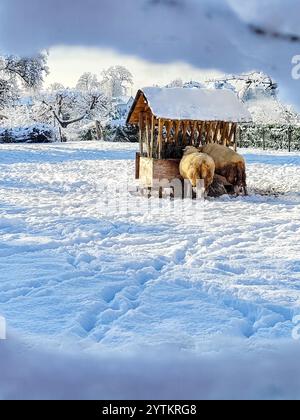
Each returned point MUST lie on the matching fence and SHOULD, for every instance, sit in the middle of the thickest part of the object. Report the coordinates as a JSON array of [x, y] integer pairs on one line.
[[276, 137]]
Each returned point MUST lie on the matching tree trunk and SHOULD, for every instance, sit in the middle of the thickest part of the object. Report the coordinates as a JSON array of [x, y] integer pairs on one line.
[[63, 139], [99, 131]]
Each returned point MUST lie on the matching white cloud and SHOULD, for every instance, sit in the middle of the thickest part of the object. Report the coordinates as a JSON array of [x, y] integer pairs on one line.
[[68, 63]]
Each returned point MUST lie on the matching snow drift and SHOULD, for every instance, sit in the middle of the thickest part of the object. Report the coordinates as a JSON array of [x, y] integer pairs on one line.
[[135, 300], [36, 133], [30, 374]]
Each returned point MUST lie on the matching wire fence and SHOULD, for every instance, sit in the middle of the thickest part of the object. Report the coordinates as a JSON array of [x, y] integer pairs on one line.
[[274, 137]]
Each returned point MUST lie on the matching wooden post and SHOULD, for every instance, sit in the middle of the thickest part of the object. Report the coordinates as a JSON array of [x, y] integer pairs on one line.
[[147, 135], [152, 136], [160, 138], [137, 166], [141, 133], [237, 135], [234, 135]]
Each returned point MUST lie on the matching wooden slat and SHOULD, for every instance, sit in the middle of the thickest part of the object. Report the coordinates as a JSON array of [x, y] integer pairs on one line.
[[230, 133], [177, 131], [189, 130], [209, 132], [160, 137], [194, 129], [141, 127], [147, 138], [221, 127], [152, 136], [201, 127], [216, 133], [231, 139], [184, 124], [204, 131], [172, 131], [224, 134], [169, 128]]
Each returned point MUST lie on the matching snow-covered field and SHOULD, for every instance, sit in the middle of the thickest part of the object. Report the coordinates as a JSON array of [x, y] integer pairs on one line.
[[159, 299]]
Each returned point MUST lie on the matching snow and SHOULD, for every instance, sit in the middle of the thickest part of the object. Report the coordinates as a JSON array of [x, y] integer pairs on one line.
[[268, 110], [196, 104], [109, 295]]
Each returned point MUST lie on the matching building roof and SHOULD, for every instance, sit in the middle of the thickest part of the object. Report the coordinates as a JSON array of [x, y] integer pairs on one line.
[[123, 100], [190, 104]]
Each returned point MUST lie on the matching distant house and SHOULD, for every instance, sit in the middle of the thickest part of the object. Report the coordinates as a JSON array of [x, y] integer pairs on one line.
[[123, 105]]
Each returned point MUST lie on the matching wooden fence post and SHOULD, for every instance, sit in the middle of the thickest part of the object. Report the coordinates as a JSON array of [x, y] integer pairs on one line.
[[290, 138], [141, 126], [160, 138]]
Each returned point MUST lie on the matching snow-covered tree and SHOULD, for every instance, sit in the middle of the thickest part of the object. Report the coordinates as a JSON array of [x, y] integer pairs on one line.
[[247, 85], [116, 81], [9, 92], [88, 82], [71, 106], [55, 87], [193, 84], [220, 84], [20, 72], [176, 83], [259, 92]]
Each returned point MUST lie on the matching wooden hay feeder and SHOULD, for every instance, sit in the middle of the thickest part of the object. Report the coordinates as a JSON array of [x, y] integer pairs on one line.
[[170, 119]]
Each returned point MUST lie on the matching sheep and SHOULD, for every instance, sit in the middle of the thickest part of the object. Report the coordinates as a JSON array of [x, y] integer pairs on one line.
[[195, 166], [228, 164]]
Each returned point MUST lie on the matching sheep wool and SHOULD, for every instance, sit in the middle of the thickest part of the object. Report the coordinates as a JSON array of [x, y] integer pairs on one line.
[[228, 164], [196, 165]]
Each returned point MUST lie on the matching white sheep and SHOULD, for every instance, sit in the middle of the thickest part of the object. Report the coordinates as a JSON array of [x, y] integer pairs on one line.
[[195, 166]]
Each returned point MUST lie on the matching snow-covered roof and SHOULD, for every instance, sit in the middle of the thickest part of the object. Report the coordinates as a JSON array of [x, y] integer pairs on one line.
[[123, 100], [193, 104]]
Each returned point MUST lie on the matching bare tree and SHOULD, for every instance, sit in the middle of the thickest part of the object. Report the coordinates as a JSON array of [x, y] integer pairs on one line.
[[71, 106]]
